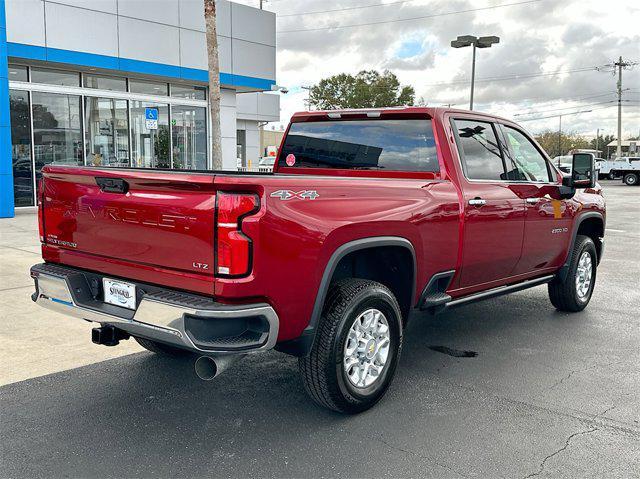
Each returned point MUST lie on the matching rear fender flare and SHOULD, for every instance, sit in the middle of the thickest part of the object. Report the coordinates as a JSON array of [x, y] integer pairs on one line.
[[302, 346]]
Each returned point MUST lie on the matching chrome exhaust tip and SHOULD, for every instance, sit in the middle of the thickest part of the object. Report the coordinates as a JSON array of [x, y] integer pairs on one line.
[[206, 368], [210, 367]]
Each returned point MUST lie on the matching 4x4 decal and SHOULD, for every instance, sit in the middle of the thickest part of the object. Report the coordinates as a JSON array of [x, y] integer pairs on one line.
[[301, 195]]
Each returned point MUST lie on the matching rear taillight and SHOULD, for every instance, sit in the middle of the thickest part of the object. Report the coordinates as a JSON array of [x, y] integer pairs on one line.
[[40, 204], [233, 247]]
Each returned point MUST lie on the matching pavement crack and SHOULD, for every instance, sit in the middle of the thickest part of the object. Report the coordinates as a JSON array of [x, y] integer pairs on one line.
[[420, 456], [575, 371], [562, 449]]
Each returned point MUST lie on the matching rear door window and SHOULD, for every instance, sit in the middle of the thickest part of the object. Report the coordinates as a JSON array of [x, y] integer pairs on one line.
[[479, 150], [394, 145]]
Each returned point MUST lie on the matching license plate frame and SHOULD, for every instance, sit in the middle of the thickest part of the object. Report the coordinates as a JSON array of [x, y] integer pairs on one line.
[[119, 293]]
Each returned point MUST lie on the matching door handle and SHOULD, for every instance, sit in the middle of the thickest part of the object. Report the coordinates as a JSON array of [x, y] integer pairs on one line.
[[477, 202], [532, 201]]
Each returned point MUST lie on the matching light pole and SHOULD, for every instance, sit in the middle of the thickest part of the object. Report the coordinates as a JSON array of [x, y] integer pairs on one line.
[[475, 42]]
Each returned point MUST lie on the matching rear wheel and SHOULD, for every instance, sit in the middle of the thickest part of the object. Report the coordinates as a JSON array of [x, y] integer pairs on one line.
[[574, 292], [161, 348], [356, 349], [630, 179]]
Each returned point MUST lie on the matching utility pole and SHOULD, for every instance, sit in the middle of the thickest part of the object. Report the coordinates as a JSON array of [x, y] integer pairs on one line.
[[597, 141], [308, 100], [620, 65], [559, 139]]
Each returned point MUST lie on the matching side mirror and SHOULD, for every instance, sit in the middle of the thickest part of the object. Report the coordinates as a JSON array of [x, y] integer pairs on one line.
[[583, 171]]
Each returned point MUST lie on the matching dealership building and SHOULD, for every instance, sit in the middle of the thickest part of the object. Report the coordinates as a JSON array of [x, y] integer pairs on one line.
[[123, 83]]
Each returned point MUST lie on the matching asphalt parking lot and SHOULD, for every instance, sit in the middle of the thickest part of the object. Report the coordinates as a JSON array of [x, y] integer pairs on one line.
[[548, 394]]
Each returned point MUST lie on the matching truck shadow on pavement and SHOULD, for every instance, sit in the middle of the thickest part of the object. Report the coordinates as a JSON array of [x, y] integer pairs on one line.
[[144, 409]]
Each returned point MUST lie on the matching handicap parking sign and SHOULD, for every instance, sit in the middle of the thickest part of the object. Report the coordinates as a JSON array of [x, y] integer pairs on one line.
[[151, 118]]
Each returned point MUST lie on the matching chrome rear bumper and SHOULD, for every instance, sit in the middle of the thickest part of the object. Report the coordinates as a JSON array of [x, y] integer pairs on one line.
[[181, 319]]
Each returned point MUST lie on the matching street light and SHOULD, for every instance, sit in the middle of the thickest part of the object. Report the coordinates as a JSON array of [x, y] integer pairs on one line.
[[475, 42]]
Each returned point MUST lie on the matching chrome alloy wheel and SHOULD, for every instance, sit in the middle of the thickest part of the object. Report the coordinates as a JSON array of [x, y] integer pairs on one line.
[[584, 274], [367, 348]]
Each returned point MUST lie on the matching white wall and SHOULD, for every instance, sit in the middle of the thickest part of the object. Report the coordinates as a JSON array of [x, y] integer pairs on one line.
[[228, 128], [170, 32], [259, 106]]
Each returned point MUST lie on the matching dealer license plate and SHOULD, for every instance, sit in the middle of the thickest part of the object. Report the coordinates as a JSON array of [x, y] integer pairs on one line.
[[119, 293]]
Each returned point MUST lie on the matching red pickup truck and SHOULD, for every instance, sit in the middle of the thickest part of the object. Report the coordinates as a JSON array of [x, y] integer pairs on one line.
[[368, 216]]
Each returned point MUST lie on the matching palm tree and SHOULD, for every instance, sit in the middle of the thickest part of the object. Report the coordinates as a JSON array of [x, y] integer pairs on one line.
[[214, 82]]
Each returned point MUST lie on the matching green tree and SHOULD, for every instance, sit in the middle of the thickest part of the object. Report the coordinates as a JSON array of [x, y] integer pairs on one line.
[[602, 143], [367, 89], [568, 141]]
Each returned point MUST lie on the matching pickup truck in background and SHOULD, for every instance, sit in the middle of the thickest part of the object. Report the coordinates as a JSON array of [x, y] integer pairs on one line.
[[368, 216]]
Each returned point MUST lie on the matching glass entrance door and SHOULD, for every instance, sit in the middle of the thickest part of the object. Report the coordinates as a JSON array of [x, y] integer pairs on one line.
[[150, 142], [107, 132], [21, 148], [189, 134]]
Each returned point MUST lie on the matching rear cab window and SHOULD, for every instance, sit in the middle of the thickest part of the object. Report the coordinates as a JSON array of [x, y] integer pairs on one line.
[[364, 144]]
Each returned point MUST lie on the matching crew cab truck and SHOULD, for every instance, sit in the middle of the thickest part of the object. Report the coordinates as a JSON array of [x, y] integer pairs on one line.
[[368, 216]]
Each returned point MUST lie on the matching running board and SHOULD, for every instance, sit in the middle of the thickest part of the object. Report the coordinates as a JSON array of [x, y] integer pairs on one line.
[[491, 293]]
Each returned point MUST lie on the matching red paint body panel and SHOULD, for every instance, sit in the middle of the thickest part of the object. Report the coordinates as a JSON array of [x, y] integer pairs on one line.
[[162, 230]]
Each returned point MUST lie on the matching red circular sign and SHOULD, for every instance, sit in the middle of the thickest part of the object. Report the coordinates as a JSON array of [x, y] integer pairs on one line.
[[291, 159]]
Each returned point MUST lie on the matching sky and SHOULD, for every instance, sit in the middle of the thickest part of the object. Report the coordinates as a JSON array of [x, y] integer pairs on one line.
[[560, 51]]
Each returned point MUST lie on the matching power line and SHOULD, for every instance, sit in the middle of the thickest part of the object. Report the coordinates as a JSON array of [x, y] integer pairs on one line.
[[347, 8], [565, 108], [516, 76], [421, 17], [566, 114]]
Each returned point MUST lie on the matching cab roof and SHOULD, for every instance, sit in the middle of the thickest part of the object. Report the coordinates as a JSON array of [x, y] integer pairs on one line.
[[399, 111]]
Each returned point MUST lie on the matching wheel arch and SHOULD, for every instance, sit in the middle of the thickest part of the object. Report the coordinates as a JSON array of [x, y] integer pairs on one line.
[[355, 256], [589, 224]]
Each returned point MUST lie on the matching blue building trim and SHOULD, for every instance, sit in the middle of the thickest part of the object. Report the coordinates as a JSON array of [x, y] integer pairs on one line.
[[127, 65], [7, 209]]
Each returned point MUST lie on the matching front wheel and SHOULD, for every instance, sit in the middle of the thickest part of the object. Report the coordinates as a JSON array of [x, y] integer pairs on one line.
[[356, 349], [630, 179], [574, 292]]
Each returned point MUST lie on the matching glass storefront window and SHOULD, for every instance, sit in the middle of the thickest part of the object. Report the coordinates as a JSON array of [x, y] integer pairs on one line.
[[21, 148], [18, 73], [188, 91], [189, 133], [107, 132], [57, 134], [148, 87], [54, 77], [149, 146], [103, 82]]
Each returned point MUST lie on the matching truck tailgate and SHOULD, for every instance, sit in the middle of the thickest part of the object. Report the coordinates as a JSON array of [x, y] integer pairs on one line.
[[155, 221]]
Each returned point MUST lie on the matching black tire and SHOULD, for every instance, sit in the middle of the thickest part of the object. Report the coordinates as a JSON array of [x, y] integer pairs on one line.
[[630, 179], [161, 348], [612, 175], [322, 370], [564, 294]]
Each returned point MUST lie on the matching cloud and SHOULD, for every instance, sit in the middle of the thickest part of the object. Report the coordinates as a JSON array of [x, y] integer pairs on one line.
[[539, 38]]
